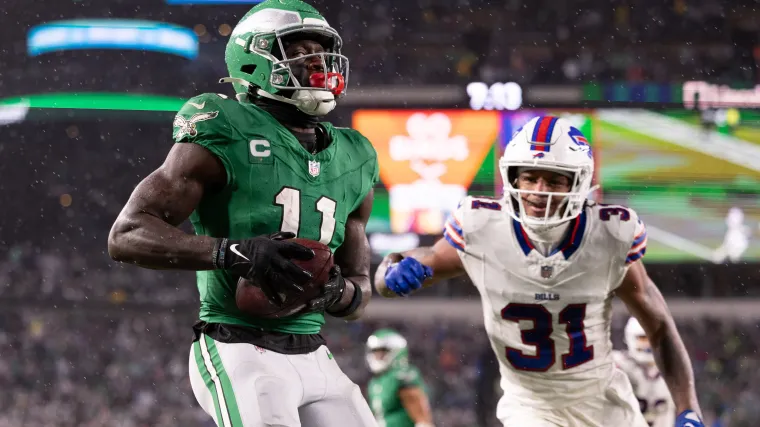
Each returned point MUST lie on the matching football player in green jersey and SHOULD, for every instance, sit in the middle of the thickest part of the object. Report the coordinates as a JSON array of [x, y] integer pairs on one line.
[[396, 391], [250, 173]]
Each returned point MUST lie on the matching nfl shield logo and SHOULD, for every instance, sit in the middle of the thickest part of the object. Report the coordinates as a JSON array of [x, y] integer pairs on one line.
[[546, 271], [313, 168]]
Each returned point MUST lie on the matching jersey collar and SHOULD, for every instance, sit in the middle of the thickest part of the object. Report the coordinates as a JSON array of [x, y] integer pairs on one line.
[[569, 244]]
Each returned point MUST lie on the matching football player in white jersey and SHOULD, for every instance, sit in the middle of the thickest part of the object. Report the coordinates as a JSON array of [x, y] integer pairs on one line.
[[547, 262], [648, 385]]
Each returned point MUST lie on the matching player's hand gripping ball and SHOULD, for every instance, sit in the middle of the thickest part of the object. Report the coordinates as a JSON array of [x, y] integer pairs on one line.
[[406, 276], [252, 300], [689, 418]]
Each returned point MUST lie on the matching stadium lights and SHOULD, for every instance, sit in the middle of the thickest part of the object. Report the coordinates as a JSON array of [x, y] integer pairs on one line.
[[112, 34], [93, 101]]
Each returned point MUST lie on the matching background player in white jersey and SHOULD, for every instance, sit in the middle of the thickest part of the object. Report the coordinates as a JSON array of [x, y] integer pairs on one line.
[[648, 385], [547, 262]]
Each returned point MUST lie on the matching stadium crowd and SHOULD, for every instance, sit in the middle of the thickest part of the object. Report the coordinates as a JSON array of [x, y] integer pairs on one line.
[[116, 368], [423, 42]]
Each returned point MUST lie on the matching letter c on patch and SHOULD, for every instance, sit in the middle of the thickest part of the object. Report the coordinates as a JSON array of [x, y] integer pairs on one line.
[[260, 148]]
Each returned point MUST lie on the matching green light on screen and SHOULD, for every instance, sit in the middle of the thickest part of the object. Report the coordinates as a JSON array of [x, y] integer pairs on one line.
[[96, 101]]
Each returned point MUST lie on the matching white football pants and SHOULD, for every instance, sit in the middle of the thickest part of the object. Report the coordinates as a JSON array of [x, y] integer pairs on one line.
[[242, 385], [617, 406]]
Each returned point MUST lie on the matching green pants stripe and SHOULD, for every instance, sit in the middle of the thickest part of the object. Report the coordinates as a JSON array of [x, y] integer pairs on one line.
[[214, 375]]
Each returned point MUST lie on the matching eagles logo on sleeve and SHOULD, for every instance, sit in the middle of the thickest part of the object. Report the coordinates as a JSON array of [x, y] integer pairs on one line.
[[183, 126]]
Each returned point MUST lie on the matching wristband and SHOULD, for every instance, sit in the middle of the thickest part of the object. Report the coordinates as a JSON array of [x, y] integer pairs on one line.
[[356, 301], [220, 250]]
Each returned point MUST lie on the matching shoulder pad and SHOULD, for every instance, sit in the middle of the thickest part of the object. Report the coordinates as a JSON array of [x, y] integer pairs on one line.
[[357, 140], [471, 214], [351, 134], [201, 119], [408, 376], [624, 225]]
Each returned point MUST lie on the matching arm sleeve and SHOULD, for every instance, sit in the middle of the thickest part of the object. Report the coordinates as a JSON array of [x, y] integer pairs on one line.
[[202, 121], [638, 245], [453, 231], [409, 377]]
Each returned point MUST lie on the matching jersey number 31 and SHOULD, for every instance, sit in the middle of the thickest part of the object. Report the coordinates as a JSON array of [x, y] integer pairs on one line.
[[539, 336]]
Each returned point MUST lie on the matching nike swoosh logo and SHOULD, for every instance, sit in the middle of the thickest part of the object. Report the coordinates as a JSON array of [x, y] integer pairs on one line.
[[198, 106], [235, 251]]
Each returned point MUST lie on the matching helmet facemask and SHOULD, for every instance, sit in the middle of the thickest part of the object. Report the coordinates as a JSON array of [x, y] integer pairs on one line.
[[318, 96], [379, 359], [259, 66], [385, 349], [569, 204], [550, 144]]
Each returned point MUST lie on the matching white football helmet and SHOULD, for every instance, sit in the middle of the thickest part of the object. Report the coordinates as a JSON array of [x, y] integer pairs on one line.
[[392, 344], [553, 144], [639, 351]]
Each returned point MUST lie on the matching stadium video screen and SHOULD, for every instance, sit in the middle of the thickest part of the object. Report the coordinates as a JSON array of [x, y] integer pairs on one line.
[[695, 181], [693, 177]]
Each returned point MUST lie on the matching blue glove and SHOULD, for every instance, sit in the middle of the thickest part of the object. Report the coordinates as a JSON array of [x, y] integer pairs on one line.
[[689, 418], [406, 276]]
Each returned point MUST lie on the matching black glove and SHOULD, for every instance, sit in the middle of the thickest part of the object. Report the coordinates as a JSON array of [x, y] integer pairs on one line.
[[332, 291], [265, 260]]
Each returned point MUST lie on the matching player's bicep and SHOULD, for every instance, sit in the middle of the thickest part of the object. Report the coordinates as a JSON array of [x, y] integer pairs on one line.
[[643, 299], [174, 190]]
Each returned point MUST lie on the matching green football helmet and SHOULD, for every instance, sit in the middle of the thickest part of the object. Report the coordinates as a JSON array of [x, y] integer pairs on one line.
[[258, 66], [386, 348]]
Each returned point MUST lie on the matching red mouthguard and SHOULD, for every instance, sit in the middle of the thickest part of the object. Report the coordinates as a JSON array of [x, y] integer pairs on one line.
[[332, 81]]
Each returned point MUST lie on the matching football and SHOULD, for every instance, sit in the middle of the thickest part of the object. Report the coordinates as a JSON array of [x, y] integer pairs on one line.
[[251, 299]]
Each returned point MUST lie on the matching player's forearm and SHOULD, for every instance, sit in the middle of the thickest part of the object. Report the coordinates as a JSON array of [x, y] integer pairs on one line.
[[417, 406], [150, 242], [355, 284], [673, 361]]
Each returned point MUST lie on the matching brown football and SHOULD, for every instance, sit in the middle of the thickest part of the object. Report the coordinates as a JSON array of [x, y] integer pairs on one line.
[[251, 299]]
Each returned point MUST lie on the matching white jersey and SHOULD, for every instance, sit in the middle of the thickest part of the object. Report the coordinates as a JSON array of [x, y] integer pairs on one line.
[[650, 389], [548, 317]]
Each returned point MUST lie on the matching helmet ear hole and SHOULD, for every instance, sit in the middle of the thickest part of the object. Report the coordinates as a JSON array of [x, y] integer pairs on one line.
[[248, 68]]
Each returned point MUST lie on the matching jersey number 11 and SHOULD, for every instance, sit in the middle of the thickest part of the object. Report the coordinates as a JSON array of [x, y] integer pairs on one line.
[[290, 200]]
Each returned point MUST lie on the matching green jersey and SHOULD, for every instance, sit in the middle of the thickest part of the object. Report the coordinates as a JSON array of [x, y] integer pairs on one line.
[[273, 184], [383, 392]]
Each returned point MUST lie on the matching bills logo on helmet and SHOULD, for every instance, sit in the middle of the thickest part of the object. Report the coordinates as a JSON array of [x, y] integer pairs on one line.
[[538, 156], [580, 140]]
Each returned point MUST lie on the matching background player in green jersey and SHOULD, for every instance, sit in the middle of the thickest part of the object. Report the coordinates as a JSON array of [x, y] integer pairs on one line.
[[396, 391], [250, 173]]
